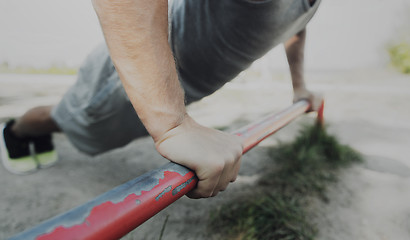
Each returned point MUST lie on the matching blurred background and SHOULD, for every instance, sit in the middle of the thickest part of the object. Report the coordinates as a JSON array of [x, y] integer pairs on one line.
[[343, 35]]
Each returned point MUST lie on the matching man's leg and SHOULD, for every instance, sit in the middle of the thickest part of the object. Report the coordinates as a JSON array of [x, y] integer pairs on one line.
[[96, 114], [26, 143], [35, 122]]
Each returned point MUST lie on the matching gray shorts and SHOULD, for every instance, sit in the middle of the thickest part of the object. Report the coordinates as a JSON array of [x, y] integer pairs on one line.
[[212, 41]]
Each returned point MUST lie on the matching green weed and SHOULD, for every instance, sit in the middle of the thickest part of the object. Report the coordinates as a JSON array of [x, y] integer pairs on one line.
[[400, 56], [299, 171]]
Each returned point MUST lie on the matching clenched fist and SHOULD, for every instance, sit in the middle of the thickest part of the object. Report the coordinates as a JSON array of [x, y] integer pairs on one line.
[[215, 156]]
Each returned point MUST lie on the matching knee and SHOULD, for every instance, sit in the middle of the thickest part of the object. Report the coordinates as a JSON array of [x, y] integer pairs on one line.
[[42, 113]]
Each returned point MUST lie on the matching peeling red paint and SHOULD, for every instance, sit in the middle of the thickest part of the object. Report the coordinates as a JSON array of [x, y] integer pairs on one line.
[[320, 120], [124, 215]]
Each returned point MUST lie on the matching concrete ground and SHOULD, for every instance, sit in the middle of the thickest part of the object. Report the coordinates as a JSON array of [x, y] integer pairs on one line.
[[367, 109]]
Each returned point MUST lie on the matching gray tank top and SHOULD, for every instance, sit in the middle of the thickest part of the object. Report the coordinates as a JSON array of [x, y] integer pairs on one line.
[[214, 40]]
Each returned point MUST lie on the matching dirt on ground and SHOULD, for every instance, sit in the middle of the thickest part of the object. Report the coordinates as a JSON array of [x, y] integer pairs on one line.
[[366, 109]]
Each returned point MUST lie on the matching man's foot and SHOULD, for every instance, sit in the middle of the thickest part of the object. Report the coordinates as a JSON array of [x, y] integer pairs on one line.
[[17, 154], [25, 155], [46, 155]]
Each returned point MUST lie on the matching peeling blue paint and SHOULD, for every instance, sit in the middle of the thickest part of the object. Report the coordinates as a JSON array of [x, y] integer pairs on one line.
[[182, 186], [167, 189], [145, 182]]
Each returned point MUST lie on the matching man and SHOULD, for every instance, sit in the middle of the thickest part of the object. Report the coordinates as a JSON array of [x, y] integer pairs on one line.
[[209, 43]]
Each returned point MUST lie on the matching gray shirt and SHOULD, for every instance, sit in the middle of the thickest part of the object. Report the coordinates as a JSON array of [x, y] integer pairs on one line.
[[214, 40]]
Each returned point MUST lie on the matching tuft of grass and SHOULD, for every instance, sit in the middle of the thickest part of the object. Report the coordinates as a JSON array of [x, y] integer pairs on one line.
[[54, 69], [308, 164], [263, 215], [400, 56], [299, 171]]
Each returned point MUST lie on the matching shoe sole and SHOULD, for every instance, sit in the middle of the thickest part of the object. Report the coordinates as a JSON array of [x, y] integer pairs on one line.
[[47, 159], [6, 160]]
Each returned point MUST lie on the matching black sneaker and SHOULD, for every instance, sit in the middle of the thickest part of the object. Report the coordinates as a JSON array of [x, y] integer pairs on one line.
[[17, 154], [46, 155]]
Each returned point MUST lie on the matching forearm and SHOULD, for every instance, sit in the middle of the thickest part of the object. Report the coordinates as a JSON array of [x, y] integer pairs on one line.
[[136, 35], [294, 48]]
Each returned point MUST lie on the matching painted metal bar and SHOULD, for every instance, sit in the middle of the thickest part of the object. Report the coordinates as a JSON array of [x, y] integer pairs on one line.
[[122, 209], [320, 119], [256, 132]]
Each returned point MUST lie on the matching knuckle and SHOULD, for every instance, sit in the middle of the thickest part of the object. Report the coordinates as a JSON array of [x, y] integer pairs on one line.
[[230, 160], [217, 167], [239, 150]]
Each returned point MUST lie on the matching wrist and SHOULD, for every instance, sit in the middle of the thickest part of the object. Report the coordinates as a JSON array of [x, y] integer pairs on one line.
[[301, 94], [298, 82], [164, 122], [300, 90], [186, 124]]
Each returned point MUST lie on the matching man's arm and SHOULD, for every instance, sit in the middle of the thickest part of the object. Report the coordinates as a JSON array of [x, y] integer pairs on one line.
[[137, 37], [295, 48]]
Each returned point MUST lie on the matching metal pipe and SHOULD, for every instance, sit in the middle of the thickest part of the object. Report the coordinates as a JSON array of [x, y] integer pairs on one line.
[[122, 209]]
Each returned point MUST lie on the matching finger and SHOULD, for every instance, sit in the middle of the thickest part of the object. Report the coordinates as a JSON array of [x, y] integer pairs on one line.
[[237, 164], [193, 194], [203, 190], [228, 175], [235, 172], [317, 102], [206, 187], [223, 181]]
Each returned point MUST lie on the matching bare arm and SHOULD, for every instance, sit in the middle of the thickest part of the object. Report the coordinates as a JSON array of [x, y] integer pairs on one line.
[[295, 48], [136, 35]]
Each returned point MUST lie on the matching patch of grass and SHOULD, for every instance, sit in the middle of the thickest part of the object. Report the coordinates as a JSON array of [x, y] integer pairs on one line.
[[264, 215], [400, 56], [308, 164], [54, 69], [300, 171]]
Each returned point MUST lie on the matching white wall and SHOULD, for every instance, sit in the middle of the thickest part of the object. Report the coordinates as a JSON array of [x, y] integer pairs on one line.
[[344, 34], [351, 34], [42, 32]]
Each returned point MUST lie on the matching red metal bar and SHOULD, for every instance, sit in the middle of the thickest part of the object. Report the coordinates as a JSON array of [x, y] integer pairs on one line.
[[320, 120], [122, 209], [256, 132]]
